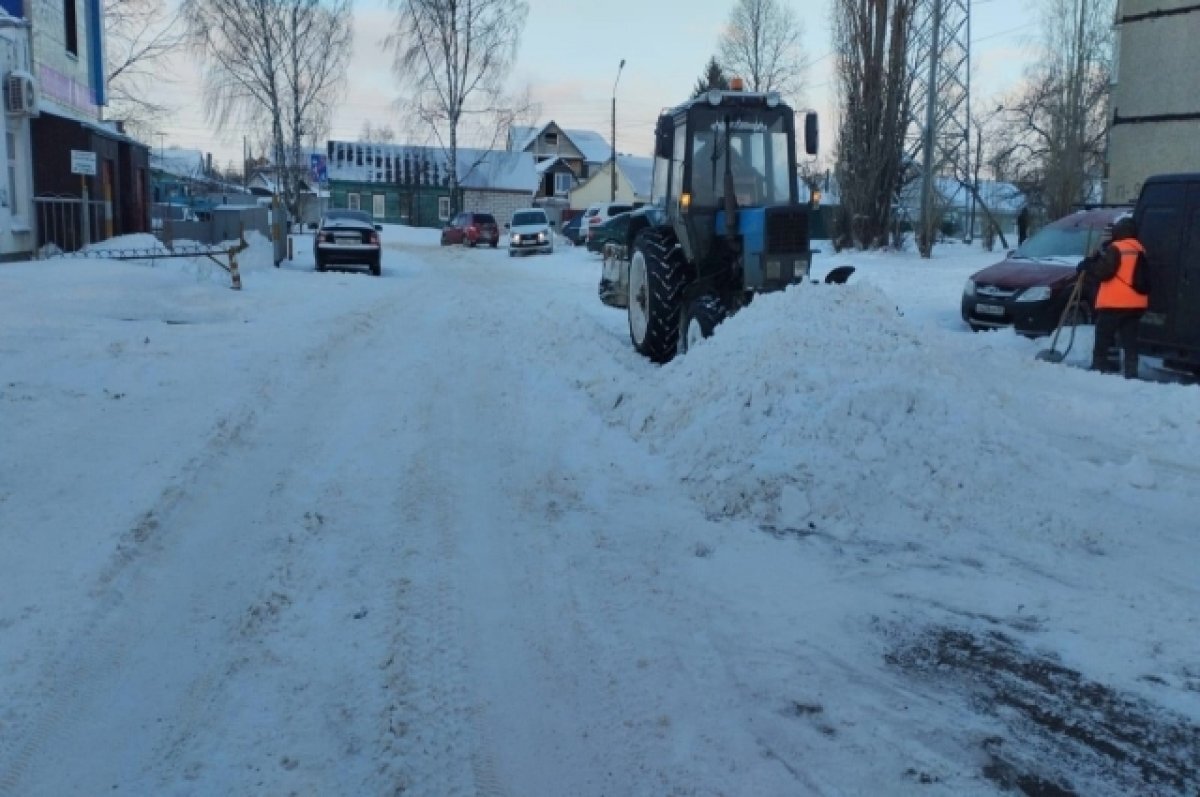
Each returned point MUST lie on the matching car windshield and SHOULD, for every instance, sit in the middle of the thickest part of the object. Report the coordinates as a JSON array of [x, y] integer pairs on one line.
[[529, 217], [1056, 242], [348, 215], [484, 218]]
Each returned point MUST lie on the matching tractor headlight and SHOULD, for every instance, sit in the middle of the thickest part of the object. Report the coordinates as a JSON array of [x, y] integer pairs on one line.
[[685, 201], [1039, 294], [714, 97], [772, 99]]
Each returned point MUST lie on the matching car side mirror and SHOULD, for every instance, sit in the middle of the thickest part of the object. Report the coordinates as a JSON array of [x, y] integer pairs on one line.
[[506, 225], [312, 225], [378, 228], [553, 223]]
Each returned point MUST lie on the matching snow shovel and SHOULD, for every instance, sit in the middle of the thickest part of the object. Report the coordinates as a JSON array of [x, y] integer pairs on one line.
[[1052, 354]]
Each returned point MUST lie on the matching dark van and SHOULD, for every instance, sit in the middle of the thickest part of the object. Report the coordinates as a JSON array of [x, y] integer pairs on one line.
[[1168, 222]]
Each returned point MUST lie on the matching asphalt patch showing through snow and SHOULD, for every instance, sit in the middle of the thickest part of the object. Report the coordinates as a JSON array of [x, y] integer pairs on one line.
[[1066, 734]]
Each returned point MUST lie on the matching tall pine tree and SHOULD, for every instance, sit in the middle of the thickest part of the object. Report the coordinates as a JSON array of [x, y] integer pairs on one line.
[[713, 78]]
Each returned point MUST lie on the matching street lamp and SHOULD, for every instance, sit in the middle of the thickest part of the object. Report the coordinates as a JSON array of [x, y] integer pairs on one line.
[[613, 192]]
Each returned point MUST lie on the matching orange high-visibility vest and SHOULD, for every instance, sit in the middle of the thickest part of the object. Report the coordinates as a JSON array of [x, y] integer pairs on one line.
[[1118, 293]]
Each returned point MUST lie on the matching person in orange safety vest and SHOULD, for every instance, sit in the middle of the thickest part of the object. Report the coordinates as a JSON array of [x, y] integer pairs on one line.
[[1119, 307]]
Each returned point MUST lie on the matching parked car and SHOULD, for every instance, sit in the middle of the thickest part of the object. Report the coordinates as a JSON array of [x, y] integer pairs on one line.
[[347, 237], [472, 229], [600, 212], [615, 230], [573, 230], [1030, 288], [529, 231]]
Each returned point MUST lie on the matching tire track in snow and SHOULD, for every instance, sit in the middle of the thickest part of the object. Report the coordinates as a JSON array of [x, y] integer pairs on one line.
[[96, 651]]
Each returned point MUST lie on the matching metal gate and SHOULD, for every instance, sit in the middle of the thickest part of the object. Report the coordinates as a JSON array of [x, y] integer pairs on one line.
[[68, 224]]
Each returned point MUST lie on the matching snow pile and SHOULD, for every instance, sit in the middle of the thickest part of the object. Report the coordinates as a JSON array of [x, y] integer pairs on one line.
[[821, 410]]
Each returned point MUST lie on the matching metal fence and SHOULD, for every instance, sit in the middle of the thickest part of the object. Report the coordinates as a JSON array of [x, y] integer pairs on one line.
[[68, 224]]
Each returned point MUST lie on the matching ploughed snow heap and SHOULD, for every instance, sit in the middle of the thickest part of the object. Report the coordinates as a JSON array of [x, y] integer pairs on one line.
[[820, 410]]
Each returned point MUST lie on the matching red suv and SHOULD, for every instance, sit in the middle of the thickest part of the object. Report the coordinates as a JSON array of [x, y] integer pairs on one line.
[[472, 229], [1030, 288]]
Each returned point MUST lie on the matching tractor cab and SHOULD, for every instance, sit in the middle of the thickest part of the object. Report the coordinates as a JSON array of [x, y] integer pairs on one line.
[[724, 221]]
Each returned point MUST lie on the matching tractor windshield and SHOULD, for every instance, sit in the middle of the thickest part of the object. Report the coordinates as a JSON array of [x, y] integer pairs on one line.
[[757, 145]]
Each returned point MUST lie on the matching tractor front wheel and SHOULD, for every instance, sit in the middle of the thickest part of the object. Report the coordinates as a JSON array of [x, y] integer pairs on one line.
[[704, 314], [656, 279]]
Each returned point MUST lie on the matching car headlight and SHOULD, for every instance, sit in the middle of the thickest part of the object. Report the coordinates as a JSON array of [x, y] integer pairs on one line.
[[969, 288], [1039, 294], [541, 236], [516, 239]]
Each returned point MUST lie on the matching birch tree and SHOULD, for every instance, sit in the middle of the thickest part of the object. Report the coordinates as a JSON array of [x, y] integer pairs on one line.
[[762, 43], [275, 66], [871, 39], [1056, 123], [139, 35], [452, 58]]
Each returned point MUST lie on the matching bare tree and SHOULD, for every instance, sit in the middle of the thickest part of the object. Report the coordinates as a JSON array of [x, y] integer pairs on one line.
[[382, 134], [275, 66], [762, 44], [453, 56], [138, 35], [1057, 120], [871, 41]]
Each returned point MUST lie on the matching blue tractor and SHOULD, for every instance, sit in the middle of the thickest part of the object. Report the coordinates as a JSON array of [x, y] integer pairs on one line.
[[724, 222]]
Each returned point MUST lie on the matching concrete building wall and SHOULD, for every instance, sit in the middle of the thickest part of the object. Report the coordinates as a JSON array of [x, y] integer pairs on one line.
[[1156, 69], [16, 160], [501, 204]]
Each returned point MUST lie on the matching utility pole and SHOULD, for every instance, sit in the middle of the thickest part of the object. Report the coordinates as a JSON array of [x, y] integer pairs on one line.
[[612, 195], [939, 119], [928, 220]]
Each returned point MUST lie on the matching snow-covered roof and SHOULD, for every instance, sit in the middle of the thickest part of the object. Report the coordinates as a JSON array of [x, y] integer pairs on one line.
[[478, 169], [1000, 197], [178, 162], [639, 171], [594, 147]]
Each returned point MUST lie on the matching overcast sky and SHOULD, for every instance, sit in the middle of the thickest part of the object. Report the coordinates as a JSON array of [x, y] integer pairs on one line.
[[569, 55]]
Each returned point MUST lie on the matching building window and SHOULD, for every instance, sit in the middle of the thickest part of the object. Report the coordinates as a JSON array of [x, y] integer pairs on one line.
[[551, 139], [71, 21], [443, 208], [379, 206], [562, 183], [352, 202]]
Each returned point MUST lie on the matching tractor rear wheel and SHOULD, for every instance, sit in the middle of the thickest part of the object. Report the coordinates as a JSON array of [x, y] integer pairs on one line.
[[656, 280]]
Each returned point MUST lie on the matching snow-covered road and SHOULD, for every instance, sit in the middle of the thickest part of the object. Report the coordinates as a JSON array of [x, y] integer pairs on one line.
[[444, 533]]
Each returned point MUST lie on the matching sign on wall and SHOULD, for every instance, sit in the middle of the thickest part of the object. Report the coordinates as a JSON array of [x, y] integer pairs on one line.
[[319, 166], [83, 162]]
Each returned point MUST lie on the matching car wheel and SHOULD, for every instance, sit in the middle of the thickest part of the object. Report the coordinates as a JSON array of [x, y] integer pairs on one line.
[[512, 253], [320, 264], [493, 244], [376, 269]]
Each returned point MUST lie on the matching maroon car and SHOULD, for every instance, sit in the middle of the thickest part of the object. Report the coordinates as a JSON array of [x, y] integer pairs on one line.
[[1030, 288], [472, 229]]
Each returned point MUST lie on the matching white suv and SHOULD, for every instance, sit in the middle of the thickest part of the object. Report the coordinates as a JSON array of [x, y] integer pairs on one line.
[[597, 214], [529, 231]]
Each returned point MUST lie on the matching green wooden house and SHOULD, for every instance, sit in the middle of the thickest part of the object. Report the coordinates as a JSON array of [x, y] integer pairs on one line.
[[411, 185]]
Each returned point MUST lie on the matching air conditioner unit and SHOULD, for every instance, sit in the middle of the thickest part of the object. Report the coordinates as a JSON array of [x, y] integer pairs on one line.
[[20, 94]]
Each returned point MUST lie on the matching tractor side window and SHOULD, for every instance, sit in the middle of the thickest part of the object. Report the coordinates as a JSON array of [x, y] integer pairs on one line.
[[677, 158]]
